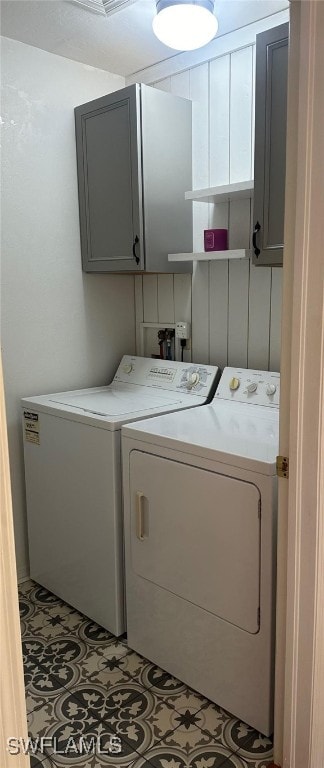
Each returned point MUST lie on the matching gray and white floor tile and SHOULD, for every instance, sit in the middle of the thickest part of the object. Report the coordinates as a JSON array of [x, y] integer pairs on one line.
[[39, 760], [254, 748], [209, 756], [84, 683]]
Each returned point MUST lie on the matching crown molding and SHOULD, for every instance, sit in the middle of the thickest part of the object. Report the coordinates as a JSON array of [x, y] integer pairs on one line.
[[103, 7], [220, 46]]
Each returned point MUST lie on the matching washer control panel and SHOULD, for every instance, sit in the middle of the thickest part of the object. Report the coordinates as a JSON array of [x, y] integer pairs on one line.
[[186, 378], [249, 386]]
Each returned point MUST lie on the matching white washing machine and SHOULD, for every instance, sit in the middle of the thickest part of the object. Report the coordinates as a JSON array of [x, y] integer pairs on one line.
[[200, 507], [73, 477]]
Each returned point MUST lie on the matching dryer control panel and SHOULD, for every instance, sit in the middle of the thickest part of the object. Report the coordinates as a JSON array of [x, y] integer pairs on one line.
[[249, 386], [185, 378]]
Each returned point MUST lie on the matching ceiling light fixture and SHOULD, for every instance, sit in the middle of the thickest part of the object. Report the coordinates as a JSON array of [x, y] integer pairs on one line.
[[185, 24]]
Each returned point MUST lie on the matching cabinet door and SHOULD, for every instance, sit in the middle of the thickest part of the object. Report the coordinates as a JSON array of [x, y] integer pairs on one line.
[[270, 145], [109, 167]]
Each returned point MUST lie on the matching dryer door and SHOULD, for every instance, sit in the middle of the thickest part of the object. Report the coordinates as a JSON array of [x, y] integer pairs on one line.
[[196, 533]]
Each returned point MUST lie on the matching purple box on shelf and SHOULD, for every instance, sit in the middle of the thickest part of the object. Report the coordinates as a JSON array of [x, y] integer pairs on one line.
[[215, 239]]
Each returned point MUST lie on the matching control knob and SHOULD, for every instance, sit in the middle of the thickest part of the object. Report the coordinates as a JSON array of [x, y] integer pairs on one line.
[[271, 389], [193, 379], [252, 387], [234, 384], [127, 368]]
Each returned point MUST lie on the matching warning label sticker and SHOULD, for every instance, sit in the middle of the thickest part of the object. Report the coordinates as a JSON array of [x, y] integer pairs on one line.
[[31, 427]]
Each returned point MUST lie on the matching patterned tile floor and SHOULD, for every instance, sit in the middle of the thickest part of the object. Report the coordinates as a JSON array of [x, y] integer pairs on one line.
[[83, 682]]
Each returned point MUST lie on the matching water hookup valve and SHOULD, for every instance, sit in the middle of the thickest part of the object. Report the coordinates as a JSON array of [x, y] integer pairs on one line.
[[166, 343]]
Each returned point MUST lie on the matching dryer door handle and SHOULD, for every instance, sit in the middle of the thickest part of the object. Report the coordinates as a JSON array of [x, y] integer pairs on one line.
[[140, 515]]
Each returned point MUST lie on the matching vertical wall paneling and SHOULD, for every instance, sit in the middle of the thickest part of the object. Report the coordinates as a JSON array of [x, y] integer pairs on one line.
[[259, 317], [182, 298], [165, 298], [200, 313], [235, 309], [182, 304], [219, 216], [219, 120], [275, 325], [164, 85], [139, 312], [180, 84], [200, 217], [199, 94], [239, 223], [238, 312], [218, 317], [241, 114], [150, 299]]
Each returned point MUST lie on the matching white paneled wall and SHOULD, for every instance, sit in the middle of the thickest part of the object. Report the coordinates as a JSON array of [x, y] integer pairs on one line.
[[234, 307], [162, 299]]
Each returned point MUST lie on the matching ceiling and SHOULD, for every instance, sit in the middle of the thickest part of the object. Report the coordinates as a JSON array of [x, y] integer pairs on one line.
[[122, 42]]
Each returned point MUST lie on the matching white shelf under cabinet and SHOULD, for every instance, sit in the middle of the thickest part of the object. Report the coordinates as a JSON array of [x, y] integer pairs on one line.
[[221, 194], [240, 253]]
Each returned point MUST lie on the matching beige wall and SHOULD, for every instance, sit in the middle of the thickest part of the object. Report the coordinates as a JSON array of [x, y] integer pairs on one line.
[[60, 328]]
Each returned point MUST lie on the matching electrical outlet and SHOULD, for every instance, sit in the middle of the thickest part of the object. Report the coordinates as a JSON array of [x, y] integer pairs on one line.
[[182, 330]]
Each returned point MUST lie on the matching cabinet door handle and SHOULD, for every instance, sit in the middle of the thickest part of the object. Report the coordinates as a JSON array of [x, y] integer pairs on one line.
[[140, 516], [136, 241], [254, 242]]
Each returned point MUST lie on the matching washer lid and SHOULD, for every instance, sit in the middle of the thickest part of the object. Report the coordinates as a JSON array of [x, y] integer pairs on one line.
[[243, 436], [110, 407], [109, 401]]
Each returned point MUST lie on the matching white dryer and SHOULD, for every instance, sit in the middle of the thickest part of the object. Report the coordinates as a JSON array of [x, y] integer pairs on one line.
[[200, 506], [73, 477]]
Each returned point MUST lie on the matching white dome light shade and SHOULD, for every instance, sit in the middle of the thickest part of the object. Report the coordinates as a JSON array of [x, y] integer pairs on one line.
[[184, 26]]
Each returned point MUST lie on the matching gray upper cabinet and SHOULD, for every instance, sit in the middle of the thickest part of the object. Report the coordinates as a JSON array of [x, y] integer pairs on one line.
[[134, 166], [270, 145]]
